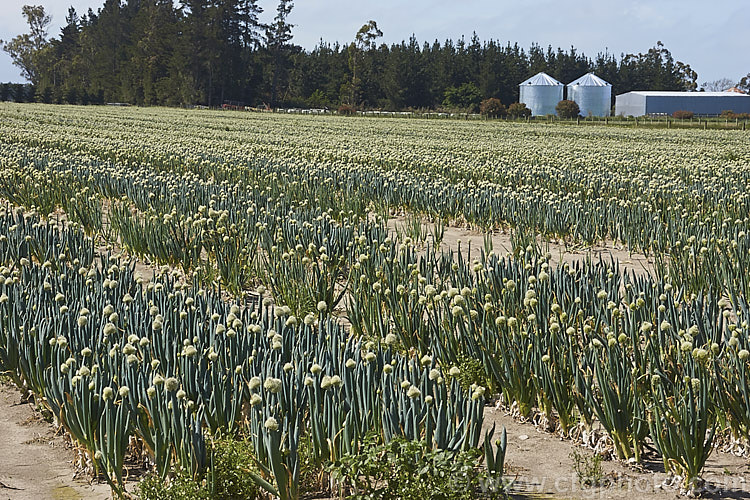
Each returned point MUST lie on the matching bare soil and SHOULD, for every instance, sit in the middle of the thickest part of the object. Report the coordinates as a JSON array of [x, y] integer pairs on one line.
[[35, 463], [472, 242], [541, 466]]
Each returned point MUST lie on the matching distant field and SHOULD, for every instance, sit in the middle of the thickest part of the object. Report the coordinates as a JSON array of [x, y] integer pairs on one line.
[[291, 313], [581, 183]]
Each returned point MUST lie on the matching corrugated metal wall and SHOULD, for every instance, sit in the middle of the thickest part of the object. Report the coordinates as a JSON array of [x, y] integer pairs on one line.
[[637, 104], [630, 104], [708, 105]]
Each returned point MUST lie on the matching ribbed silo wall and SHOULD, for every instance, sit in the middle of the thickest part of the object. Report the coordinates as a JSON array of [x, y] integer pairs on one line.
[[541, 99], [592, 100]]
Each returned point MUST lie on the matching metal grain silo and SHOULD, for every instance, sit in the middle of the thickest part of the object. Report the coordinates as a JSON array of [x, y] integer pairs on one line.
[[541, 93], [593, 95]]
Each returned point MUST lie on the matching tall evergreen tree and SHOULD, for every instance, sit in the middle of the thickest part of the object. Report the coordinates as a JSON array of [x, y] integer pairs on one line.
[[278, 36], [151, 52]]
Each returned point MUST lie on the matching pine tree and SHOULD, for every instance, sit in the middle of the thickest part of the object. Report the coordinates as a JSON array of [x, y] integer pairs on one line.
[[278, 36]]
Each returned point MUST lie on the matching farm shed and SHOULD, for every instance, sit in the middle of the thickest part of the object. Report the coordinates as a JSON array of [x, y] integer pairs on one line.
[[541, 93], [592, 94], [639, 103]]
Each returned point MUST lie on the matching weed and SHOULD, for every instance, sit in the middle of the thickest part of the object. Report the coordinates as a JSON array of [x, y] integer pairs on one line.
[[588, 468]]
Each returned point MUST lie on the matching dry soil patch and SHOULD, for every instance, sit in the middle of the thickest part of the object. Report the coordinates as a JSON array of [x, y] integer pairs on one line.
[[36, 464], [542, 466]]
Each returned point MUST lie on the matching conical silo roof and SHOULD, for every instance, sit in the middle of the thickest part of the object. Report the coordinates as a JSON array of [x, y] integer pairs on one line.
[[541, 79], [589, 80], [592, 94]]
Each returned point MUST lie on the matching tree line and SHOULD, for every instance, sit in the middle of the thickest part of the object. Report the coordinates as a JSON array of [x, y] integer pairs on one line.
[[214, 52]]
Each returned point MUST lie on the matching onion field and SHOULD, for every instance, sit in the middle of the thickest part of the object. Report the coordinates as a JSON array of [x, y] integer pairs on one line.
[[281, 310]]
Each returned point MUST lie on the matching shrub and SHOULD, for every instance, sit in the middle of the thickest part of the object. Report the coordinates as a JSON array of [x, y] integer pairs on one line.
[[567, 109], [472, 372], [518, 110], [731, 115], [347, 110], [231, 475], [181, 487], [492, 108], [681, 114], [233, 462], [411, 469]]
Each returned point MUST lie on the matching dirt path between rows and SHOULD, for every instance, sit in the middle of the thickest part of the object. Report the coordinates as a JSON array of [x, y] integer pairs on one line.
[[542, 466], [473, 240], [36, 464]]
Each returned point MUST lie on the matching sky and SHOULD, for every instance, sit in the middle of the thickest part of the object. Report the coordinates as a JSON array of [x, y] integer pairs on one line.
[[709, 35]]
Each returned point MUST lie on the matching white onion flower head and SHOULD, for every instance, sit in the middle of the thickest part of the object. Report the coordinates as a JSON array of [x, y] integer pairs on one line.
[[478, 393], [271, 424], [171, 384], [272, 385]]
